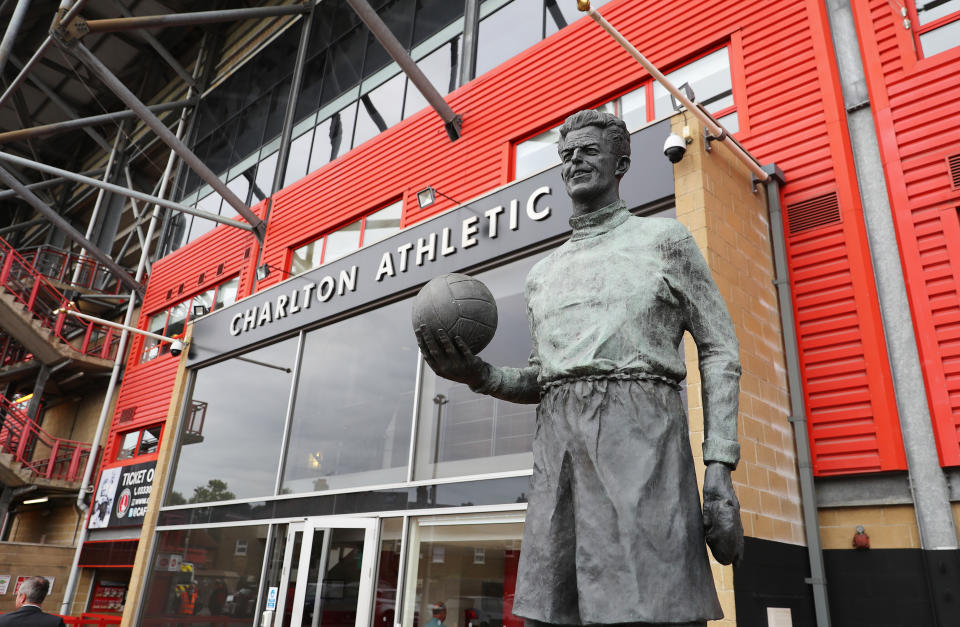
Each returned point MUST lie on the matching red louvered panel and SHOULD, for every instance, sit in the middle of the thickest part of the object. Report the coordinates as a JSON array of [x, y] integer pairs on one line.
[[905, 92]]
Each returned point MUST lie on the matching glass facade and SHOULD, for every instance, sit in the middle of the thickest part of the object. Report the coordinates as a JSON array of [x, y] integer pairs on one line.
[[351, 91]]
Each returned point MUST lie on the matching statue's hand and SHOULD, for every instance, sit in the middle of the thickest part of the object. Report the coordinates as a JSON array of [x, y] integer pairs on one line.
[[721, 515], [450, 358]]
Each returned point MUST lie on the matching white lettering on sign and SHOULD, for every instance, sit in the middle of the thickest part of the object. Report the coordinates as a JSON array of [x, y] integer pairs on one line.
[[397, 261]]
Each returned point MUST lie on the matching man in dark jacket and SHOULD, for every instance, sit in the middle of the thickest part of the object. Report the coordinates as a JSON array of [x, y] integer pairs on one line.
[[31, 594]]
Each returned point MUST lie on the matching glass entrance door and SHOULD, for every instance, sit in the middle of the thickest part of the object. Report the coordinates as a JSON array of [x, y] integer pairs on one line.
[[327, 575]]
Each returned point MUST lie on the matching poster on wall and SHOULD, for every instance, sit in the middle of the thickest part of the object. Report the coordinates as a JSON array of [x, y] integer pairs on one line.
[[4, 583], [121, 498], [22, 578]]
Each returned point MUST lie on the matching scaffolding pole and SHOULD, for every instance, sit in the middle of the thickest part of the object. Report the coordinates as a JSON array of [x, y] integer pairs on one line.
[[70, 125], [8, 193], [192, 19], [166, 135], [42, 49], [11, 181], [16, 21], [119, 189]]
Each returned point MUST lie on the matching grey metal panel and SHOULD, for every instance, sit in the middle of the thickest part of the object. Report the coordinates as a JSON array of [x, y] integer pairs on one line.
[[650, 179]]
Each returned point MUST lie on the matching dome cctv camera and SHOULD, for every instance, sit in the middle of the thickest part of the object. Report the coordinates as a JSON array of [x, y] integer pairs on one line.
[[176, 347], [674, 148]]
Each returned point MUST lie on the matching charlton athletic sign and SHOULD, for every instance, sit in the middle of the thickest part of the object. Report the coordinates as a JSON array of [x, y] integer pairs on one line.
[[121, 498]]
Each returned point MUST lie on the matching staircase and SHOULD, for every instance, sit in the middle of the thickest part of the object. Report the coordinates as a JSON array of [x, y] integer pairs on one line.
[[30, 455], [31, 326]]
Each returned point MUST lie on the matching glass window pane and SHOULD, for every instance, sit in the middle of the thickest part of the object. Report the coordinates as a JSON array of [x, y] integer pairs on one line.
[[633, 109], [342, 241], [380, 109], [178, 319], [309, 97], [307, 257], [382, 224], [444, 569], [936, 10], [203, 565], [351, 425], [227, 293], [240, 186], [341, 130], [265, 172], [299, 157], [200, 226], [709, 77], [537, 153], [432, 16], [343, 64], [320, 153], [506, 33], [128, 445], [151, 346], [941, 39], [440, 67], [730, 122], [388, 571], [149, 441], [463, 433], [217, 460], [205, 299]]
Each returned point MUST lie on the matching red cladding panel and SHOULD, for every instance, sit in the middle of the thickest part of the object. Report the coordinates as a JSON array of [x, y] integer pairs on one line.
[[914, 103]]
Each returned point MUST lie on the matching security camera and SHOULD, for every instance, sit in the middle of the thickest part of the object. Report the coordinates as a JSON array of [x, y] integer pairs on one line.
[[674, 148], [176, 347]]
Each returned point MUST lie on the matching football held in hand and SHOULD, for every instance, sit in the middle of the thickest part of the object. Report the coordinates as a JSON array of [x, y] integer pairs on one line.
[[461, 306]]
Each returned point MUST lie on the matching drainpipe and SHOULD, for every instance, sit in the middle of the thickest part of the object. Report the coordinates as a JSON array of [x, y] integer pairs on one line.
[[798, 413]]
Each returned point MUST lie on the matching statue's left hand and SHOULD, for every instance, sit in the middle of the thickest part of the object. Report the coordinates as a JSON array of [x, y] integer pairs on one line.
[[721, 515]]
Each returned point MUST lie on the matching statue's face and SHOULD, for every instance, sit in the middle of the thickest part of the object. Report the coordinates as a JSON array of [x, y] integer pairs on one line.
[[589, 165]]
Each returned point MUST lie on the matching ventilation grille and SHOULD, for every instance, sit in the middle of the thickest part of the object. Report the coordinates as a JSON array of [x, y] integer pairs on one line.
[[953, 162], [126, 415], [813, 213]]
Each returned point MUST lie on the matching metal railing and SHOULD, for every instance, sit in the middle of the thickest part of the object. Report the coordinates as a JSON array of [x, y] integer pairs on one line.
[[72, 269], [91, 620], [12, 351], [31, 289], [42, 454]]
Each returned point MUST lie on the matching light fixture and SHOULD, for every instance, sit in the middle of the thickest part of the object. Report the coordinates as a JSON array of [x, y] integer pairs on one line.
[[200, 310], [687, 91], [41, 499], [426, 197], [263, 271]]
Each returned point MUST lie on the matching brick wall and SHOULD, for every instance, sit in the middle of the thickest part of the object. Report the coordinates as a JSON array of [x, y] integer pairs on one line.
[[27, 560], [889, 526], [714, 199]]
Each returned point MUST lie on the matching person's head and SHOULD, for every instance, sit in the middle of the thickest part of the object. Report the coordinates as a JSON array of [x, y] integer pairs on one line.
[[439, 611], [594, 149], [33, 590]]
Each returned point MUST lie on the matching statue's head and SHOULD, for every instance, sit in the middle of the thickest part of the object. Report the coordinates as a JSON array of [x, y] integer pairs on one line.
[[594, 149]]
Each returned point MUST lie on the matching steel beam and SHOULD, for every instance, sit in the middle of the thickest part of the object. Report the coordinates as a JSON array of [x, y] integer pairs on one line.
[[451, 121], [159, 48], [192, 19], [58, 221], [9, 193], [16, 20], [41, 50], [117, 189], [70, 125], [66, 108], [167, 136]]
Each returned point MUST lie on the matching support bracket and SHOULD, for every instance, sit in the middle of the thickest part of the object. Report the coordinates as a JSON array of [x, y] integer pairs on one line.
[[74, 30]]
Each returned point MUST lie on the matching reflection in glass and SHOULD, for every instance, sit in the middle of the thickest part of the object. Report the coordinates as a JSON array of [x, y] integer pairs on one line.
[[333, 578], [710, 79], [236, 453], [443, 568], [307, 257], [380, 109], [299, 157], [351, 425], [537, 153], [506, 33], [382, 224], [342, 241], [928, 12], [440, 67], [320, 153], [198, 573], [265, 172], [128, 445], [463, 433], [388, 571], [149, 441]]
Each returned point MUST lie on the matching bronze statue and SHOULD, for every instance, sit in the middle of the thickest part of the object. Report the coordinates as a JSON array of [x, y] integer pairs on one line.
[[614, 530]]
